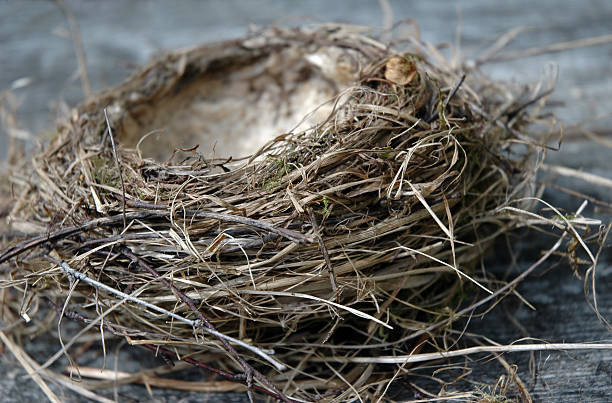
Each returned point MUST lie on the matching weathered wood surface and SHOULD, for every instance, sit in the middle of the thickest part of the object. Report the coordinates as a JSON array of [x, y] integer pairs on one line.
[[119, 35]]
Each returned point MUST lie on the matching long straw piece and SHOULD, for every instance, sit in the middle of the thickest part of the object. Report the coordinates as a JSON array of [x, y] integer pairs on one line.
[[514, 348]]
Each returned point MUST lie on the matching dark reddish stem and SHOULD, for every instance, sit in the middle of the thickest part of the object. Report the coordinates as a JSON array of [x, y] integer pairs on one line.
[[168, 353], [248, 369], [220, 372]]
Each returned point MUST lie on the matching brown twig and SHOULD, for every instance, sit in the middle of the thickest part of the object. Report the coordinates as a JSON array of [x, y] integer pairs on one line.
[[74, 274], [233, 377], [74, 230], [450, 96], [73, 315], [112, 220], [249, 370]]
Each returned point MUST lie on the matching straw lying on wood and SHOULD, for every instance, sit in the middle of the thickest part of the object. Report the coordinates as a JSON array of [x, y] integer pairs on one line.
[[359, 232]]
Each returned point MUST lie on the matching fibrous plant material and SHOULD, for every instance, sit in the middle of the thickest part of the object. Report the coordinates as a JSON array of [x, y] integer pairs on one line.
[[353, 231]]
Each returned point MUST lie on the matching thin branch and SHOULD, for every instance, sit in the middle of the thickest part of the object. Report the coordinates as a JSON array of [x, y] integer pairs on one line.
[[286, 233], [165, 353], [229, 375], [450, 96], [139, 215], [236, 219], [193, 323], [500, 43], [512, 113], [189, 302], [74, 230]]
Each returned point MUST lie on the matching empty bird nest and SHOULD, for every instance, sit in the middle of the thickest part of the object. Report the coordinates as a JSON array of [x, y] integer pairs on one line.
[[279, 209]]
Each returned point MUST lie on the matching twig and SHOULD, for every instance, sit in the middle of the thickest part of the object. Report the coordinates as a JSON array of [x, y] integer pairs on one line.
[[194, 323], [500, 43], [139, 215], [454, 91], [158, 349], [512, 113], [246, 366], [152, 378], [575, 193], [229, 375], [70, 231], [286, 233], [450, 96]]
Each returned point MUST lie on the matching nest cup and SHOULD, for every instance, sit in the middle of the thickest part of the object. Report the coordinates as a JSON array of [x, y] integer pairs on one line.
[[228, 99], [310, 192]]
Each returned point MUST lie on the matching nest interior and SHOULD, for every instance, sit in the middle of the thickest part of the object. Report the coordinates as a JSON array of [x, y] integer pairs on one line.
[[373, 181], [229, 99]]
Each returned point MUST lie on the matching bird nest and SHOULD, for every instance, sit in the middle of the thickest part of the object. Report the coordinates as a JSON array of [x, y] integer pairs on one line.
[[276, 209]]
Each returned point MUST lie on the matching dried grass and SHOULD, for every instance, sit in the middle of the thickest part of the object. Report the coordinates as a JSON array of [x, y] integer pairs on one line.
[[354, 236]]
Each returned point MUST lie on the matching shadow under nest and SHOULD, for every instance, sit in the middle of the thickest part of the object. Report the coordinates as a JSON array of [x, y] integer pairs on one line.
[[374, 182]]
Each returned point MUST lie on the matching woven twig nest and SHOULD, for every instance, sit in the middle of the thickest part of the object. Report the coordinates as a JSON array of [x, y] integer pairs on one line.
[[335, 207]]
